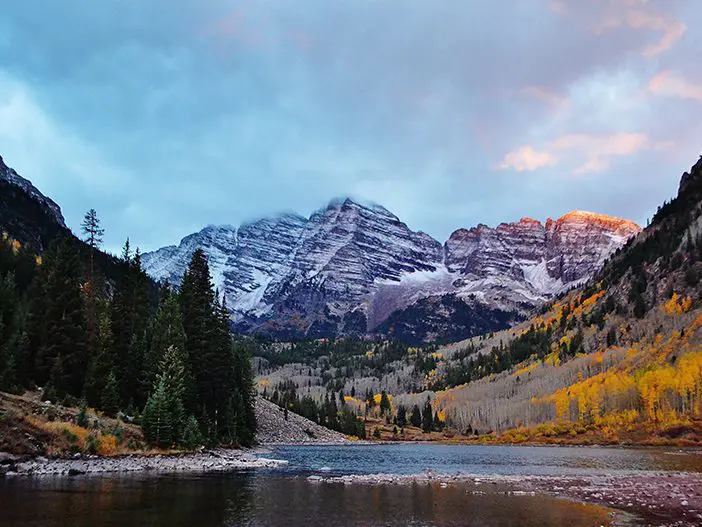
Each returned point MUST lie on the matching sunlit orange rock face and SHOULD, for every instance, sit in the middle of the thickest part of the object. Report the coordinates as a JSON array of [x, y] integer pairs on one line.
[[568, 249], [617, 226]]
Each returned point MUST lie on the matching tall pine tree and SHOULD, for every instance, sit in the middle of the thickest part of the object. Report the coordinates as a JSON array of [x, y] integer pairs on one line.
[[60, 323]]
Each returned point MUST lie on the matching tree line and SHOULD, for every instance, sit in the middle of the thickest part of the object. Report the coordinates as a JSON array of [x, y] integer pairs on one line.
[[123, 344]]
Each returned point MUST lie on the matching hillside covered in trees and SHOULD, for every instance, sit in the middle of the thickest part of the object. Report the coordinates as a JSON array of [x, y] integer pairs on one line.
[[619, 359], [105, 336]]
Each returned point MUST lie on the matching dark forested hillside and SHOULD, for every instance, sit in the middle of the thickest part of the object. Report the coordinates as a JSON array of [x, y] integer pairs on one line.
[[89, 328]]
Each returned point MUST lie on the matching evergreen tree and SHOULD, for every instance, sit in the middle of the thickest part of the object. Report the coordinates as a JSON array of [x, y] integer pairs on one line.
[[130, 315], [427, 418], [109, 401], [59, 315], [245, 390], [82, 416], [402, 416], [93, 237], [166, 331], [192, 438], [209, 350], [438, 424], [14, 343], [156, 418], [102, 363], [172, 376], [416, 417], [384, 403]]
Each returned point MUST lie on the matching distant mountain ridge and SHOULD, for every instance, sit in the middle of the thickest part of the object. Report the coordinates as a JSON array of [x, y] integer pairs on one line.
[[357, 269]]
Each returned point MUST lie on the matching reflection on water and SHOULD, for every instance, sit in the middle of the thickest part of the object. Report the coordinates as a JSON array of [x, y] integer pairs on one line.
[[260, 499], [287, 498], [477, 459]]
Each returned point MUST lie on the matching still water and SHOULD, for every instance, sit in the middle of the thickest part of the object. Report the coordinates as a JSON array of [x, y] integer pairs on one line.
[[286, 497]]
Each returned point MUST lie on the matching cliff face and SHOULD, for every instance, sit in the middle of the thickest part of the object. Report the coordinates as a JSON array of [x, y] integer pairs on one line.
[[349, 267], [530, 261]]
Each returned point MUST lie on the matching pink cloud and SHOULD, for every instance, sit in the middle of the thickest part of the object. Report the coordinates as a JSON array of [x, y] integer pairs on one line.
[[634, 14], [592, 153], [668, 84], [672, 29], [527, 159]]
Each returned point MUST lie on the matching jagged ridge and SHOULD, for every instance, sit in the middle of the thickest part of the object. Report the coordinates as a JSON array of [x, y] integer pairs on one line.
[[349, 266]]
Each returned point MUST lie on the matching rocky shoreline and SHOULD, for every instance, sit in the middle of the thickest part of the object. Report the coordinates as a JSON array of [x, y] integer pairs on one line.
[[660, 499], [219, 460]]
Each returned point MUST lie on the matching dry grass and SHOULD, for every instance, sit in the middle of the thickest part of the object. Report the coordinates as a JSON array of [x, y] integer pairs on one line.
[[31, 427]]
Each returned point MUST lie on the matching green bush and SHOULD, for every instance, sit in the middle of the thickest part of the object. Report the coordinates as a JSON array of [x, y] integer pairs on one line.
[[82, 417], [92, 444]]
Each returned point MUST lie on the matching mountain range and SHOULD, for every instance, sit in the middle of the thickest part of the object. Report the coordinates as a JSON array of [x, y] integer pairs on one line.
[[352, 268]]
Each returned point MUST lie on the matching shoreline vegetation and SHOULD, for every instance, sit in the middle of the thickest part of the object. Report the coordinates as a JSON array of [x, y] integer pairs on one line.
[[563, 433], [33, 429]]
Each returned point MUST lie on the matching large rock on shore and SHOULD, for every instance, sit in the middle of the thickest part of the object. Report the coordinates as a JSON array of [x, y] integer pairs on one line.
[[274, 428]]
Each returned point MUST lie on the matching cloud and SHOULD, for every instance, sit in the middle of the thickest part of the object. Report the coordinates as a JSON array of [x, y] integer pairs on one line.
[[61, 164], [166, 119], [668, 84], [526, 159], [639, 15], [593, 153], [672, 30]]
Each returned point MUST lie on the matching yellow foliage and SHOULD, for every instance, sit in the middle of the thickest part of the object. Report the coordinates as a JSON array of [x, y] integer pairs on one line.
[[526, 369], [553, 358], [677, 305], [107, 445], [666, 391], [63, 428]]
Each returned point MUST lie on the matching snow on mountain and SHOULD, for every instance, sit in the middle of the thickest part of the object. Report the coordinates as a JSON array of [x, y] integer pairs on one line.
[[349, 267]]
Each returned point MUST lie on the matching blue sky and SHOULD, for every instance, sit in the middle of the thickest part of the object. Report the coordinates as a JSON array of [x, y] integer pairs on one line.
[[167, 116]]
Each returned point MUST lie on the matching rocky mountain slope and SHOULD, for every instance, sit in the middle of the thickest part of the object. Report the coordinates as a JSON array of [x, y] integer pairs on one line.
[[355, 269], [25, 213], [273, 427]]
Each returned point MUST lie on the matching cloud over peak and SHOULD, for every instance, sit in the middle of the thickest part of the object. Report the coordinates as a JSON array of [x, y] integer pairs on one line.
[[166, 119]]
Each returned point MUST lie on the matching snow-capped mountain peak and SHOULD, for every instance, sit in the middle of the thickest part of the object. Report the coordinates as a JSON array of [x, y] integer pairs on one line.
[[349, 266]]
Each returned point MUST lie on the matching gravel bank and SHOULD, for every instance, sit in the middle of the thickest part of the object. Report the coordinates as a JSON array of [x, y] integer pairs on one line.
[[220, 460], [273, 428], [670, 499]]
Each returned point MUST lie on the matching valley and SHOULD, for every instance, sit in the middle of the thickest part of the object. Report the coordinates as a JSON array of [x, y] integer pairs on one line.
[[585, 331]]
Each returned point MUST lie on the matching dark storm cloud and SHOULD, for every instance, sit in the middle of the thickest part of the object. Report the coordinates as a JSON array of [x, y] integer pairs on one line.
[[166, 116]]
